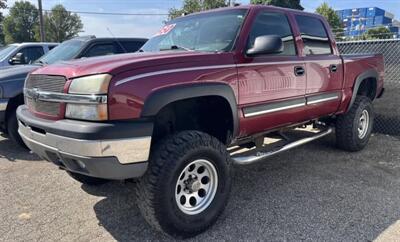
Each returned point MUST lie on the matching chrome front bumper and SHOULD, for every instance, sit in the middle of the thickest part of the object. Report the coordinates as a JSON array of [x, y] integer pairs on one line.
[[104, 150], [127, 151]]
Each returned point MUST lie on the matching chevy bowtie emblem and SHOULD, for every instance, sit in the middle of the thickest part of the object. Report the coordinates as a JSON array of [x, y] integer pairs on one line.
[[34, 93]]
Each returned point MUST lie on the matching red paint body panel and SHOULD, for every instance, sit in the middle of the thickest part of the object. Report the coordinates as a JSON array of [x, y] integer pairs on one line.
[[254, 81]]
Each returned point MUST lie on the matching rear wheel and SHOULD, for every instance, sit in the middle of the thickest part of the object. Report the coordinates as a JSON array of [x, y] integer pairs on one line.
[[187, 185], [353, 129], [12, 129], [88, 180]]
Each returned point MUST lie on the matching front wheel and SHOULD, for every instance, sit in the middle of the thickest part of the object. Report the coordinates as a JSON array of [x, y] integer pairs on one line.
[[187, 185], [353, 129], [12, 130]]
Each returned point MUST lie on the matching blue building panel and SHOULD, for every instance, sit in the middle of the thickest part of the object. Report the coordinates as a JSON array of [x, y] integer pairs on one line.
[[357, 21], [382, 20], [373, 12], [362, 12]]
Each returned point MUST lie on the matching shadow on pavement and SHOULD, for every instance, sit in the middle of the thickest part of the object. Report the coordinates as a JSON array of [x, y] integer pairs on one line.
[[311, 193], [12, 152], [118, 213]]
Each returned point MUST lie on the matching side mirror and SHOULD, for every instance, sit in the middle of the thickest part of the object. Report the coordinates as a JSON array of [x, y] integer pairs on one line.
[[18, 59], [266, 44]]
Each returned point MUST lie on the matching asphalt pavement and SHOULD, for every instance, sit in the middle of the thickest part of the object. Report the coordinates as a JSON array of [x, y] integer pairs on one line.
[[313, 193]]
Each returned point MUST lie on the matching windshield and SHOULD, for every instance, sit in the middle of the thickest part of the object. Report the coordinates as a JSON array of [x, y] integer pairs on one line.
[[200, 32], [5, 51], [65, 51]]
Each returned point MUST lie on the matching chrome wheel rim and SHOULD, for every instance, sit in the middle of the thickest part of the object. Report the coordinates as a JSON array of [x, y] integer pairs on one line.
[[363, 124], [196, 187]]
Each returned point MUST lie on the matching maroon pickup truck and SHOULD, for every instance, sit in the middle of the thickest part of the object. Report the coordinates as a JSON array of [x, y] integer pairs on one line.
[[209, 90]]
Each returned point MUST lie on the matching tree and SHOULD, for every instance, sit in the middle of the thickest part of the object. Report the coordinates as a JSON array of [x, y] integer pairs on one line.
[[60, 25], [294, 4], [191, 6], [20, 24], [378, 33], [333, 19], [3, 5]]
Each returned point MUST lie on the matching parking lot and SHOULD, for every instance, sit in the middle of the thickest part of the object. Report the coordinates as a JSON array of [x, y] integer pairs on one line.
[[315, 192]]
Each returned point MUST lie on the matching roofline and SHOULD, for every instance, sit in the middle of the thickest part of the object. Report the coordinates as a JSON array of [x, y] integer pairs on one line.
[[248, 6]]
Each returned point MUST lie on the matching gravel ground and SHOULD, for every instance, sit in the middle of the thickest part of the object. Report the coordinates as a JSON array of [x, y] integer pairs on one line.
[[313, 193]]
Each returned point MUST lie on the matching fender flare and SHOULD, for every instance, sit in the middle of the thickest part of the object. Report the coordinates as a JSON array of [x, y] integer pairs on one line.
[[360, 78], [162, 97]]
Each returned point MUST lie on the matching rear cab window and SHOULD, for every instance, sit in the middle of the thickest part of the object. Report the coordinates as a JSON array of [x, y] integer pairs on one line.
[[315, 36]]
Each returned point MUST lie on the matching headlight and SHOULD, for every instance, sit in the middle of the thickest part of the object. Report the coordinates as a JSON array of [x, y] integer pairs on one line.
[[89, 85], [96, 84]]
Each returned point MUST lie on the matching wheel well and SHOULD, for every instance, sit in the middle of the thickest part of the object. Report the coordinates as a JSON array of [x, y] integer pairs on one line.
[[211, 114], [12, 105], [367, 88]]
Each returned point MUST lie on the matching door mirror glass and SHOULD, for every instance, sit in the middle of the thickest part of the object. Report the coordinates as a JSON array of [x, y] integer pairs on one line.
[[18, 59], [266, 44]]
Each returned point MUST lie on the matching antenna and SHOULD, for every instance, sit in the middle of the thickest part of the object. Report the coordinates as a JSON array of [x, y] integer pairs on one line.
[[119, 43]]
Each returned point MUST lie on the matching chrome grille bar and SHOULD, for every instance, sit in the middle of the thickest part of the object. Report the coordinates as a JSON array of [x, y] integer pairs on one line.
[[35, 94]]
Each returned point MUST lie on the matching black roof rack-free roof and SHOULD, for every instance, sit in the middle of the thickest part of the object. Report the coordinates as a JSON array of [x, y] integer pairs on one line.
[[86, 37]]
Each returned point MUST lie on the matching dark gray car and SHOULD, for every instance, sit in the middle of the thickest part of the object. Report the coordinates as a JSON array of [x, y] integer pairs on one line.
[[12, 78]]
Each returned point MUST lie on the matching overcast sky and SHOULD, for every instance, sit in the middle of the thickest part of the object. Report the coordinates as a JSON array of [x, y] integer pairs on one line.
[[146, 26]]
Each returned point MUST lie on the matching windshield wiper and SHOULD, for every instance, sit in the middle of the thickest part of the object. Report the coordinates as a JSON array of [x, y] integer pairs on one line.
[[177, 47], [40, 62]]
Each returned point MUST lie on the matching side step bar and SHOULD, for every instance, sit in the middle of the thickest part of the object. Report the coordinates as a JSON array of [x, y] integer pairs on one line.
[[250, 159]]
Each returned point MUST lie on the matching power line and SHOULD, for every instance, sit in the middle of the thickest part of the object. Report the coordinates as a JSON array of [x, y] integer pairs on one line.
[[109, 13]]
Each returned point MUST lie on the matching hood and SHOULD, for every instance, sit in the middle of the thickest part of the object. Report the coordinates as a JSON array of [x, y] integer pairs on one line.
[[115, 64], [16, 72]]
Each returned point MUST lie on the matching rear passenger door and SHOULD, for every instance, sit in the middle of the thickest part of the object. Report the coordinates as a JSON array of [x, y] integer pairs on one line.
[[324, 69], [271, 93]]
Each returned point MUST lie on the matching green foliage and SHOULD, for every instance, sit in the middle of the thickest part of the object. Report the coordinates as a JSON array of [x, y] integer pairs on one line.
[[60, 25], [378, 33], [333, 19], [3, 5], [192, 6], [19, 25], [294, 4]]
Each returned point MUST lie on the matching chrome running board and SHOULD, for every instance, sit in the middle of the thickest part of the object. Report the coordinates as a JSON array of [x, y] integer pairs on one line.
[[250, 159]]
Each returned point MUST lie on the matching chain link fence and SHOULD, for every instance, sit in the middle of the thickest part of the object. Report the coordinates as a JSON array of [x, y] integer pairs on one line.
[[387, 108]]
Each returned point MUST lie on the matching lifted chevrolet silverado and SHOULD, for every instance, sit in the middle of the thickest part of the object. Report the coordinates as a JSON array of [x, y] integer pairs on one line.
[[209, 90]]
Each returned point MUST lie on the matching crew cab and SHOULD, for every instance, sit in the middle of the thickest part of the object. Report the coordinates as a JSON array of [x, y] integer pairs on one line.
[[209, 90], [12, 78]]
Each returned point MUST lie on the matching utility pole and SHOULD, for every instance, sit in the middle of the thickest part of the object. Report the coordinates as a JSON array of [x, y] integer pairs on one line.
[[41, 22]]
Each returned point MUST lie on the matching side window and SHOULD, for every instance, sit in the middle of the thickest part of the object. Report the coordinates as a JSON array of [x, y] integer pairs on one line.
[[30, 54], [314, 35], [130, 46], [270, 23], [100, 49], [52, 47]]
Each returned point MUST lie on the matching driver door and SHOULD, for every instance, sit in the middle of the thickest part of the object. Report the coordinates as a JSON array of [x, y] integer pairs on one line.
[[271, 86]]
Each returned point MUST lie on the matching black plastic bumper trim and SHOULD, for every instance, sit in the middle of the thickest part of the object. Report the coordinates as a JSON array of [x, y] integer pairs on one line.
[[87, 130]]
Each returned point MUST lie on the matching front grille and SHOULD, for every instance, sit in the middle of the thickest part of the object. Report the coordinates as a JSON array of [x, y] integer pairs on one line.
[[45, 83], [50, 108]]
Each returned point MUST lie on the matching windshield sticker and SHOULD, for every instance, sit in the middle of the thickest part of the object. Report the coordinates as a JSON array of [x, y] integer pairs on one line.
[[165, 30]]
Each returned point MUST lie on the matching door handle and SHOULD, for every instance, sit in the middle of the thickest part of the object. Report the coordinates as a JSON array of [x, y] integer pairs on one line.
[[333, 68], [299, 71]]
